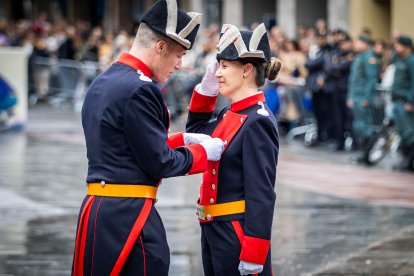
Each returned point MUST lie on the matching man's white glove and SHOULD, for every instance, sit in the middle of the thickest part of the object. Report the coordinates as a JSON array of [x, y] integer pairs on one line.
[[214, 148], [210, 84], [247, 268], [195, 138]]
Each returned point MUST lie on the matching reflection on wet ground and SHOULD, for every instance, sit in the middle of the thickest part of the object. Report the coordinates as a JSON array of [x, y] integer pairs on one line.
[[41, 188]]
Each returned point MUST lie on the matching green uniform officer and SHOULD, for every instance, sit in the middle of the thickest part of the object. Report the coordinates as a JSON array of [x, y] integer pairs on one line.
[[403, 99], [361, 90]]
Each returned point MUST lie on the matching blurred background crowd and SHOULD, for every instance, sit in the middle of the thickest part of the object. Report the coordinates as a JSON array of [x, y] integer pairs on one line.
[[334, 90]]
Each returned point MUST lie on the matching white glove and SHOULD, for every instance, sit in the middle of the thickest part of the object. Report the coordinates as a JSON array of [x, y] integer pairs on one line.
[[247, 268], [195, 138], [214, 148], [210, 83]]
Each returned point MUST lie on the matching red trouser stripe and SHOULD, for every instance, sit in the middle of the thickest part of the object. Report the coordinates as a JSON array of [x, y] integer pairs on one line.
[[133, 236], [143, 254], [239, 232], [81, 238], [94, 233]]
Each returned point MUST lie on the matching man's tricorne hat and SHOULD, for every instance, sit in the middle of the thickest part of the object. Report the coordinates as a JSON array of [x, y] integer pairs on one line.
[[164, 17], [241, 45]]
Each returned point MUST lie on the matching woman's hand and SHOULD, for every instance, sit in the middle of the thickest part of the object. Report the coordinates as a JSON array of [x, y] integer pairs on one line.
[[247, 268], [210, 84]]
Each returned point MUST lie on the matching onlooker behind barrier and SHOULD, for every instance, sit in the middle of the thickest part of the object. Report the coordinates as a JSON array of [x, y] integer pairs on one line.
[[337, 67], [315, 82], [40, 72], [291, 79], [403, 98]]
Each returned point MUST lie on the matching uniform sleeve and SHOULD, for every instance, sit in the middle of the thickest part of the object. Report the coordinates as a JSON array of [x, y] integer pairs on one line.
[[371, 68], [147, 138], [200, 114], [410, 93], [176, 140], [315, 64], [351, 83], [260, 157]]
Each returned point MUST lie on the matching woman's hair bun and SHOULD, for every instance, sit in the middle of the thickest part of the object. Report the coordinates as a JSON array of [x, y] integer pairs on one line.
[[273, 68]]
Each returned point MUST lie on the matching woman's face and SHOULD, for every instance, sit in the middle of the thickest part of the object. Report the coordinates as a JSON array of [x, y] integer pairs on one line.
[[230, 77]]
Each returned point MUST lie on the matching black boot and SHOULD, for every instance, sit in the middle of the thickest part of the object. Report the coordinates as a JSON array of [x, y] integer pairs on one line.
[[407, 154], [363, 151]]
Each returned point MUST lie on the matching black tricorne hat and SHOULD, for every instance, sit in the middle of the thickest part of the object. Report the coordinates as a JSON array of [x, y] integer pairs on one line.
[[164, 17], [243, 45]]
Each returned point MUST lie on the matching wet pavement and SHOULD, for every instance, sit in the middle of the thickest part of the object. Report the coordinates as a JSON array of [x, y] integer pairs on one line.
[[331, 217]]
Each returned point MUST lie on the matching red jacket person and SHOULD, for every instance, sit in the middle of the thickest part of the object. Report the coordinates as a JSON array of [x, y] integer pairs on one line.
[[126, 124], [237, 196]]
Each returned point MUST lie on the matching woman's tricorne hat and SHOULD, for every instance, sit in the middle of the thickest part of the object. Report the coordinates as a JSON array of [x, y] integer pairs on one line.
[[164, 17], [239, 45]]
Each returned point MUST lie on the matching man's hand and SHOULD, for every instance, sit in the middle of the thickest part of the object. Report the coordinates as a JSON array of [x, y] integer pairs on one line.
[[364, 103], [195, 138], [210, 84], [247, 268], [408, 107], [350, 104], [214, 148]]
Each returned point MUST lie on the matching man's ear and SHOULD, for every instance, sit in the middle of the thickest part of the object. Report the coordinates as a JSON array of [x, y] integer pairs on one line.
[[161, 46], [248, 68]]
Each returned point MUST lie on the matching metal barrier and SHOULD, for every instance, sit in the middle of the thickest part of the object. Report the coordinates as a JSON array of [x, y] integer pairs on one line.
[[60, 81], [296, 109]]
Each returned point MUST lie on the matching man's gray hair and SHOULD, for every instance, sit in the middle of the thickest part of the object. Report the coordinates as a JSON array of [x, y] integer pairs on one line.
[[146, 36]]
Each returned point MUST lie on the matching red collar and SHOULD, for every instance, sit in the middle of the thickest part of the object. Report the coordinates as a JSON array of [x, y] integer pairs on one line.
[[135, 63], [247, 102]]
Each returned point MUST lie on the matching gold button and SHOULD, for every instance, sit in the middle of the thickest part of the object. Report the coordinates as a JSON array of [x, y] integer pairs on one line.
[[213, 186], [241, 120], [208, 217], [102, 183], [211, 200], [213, 171]]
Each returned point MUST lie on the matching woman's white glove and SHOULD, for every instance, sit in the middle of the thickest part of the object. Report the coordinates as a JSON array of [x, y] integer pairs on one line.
[[247, 268], [214, 148], [210, 84], [195, 138]]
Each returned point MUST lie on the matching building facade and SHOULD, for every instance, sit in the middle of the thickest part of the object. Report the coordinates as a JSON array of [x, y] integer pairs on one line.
[[382, 17]]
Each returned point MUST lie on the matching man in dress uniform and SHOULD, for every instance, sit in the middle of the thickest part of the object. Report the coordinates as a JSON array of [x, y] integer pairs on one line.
[[402, 93], [126, 124], [362, 84]]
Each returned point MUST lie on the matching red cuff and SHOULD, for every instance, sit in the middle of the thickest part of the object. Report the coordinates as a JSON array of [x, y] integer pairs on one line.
[[176, 140], [202, 103], [200, 162], [254, 250]]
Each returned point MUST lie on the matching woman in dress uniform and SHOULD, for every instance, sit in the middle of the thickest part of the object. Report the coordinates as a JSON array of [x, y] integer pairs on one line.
[[237, 196]]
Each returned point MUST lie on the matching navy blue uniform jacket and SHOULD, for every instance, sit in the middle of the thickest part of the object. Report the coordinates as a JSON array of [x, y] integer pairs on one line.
[[247, 169], [126, 124]]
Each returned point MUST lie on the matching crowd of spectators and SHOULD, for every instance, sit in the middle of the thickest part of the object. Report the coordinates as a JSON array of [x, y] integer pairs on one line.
[[290, 98]]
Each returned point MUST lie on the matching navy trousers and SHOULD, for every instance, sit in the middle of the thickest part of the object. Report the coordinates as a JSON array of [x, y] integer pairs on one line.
[[109, 223], [221, 250]]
